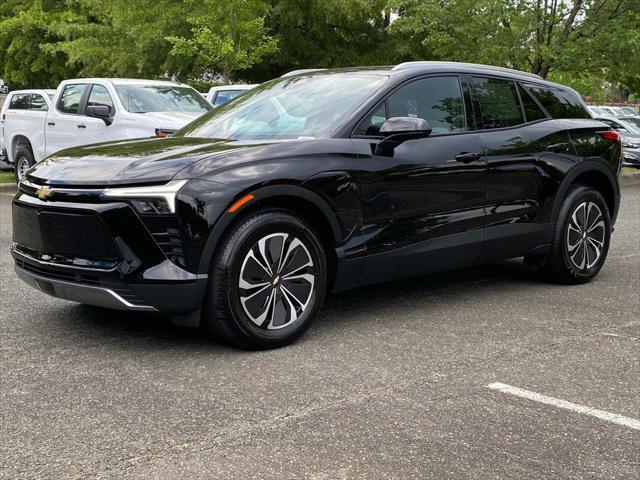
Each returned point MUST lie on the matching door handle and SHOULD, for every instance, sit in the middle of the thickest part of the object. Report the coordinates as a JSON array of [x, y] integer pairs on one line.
[[558, 147], [51, 124], [466, 157], [80, 125]]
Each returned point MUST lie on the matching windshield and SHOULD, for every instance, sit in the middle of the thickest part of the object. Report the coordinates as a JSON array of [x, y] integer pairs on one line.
[[160, 98], [288, 108], [633, 124]]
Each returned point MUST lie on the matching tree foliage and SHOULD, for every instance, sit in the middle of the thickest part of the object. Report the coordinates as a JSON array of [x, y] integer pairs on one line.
[[225, 36], [591, 44]]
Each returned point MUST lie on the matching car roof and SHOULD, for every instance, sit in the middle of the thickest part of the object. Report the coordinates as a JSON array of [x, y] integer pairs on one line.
[[127, 81], [409, 69], [31, 90]]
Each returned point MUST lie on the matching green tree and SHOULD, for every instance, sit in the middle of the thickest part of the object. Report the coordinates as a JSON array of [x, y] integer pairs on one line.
[[576, 36], [226, 36], [123, 38], [25, 29]]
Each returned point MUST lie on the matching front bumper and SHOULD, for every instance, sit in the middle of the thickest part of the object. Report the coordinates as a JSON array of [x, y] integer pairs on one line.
[[76, 292], [101, 254]]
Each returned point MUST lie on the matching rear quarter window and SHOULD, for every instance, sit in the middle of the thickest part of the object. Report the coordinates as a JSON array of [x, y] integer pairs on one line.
[[19, 102], [559, 103]]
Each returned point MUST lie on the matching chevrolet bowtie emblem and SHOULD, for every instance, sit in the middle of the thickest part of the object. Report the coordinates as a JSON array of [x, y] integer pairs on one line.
[[43, 192]]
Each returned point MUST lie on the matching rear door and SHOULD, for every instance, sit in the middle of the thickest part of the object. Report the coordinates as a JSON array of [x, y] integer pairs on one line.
[[65, 126], [524, 149]]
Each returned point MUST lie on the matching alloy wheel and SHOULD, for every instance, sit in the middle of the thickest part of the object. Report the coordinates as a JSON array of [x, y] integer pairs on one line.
[[276, 281], [22, 166], [585, 235]]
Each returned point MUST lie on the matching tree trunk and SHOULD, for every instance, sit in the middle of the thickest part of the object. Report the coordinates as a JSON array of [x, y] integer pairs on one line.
[[385, 25]]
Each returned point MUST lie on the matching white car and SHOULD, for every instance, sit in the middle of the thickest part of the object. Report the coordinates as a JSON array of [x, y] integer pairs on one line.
[[94, 110], [3, 87], [220, 95], [36, 101]]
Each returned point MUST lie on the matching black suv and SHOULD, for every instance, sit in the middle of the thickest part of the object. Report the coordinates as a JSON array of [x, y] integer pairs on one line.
[[323, 181]]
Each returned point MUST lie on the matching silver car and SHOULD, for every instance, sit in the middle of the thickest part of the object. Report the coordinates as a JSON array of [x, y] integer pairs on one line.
[[630, 135]]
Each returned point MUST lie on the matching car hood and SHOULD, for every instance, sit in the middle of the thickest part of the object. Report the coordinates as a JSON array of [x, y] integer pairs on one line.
[[170, 120], [129, 162]]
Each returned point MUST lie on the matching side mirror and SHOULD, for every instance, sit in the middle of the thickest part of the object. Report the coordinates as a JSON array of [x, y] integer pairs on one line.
[[399, 129], [102, 112]]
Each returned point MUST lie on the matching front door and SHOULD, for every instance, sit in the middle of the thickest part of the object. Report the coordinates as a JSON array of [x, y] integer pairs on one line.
[[423, 204]]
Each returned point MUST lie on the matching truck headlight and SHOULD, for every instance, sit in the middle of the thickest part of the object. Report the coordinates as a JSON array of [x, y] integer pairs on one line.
[[154, 199]]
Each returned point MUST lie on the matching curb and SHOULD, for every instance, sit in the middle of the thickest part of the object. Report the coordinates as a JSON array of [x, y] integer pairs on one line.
[[8, 188], [630, 179]]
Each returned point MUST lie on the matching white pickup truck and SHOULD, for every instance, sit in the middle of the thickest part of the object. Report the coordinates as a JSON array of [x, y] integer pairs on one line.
[[94, 110]]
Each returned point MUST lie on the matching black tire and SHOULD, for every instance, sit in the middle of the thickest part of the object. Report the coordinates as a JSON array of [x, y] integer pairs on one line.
[[570, 266], [23, 160], [227, 313]]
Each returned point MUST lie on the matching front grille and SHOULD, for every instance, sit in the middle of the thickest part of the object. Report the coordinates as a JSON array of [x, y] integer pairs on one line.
[[82, 278], [71, 233]]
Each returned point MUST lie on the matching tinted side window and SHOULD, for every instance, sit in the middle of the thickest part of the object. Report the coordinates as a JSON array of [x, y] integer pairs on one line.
[[559, 103], [70, 99], [19, 102], [38, 102], [100, 97], [224, 96], [532, 111], [499, 103], [436, 99]]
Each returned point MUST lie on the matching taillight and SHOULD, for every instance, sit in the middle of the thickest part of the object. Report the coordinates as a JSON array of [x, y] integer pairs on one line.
[[610, 135]]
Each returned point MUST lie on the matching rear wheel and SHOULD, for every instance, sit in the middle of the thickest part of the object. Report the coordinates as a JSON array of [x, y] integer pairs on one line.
[[267, 281], [581, 237], [23, 161]]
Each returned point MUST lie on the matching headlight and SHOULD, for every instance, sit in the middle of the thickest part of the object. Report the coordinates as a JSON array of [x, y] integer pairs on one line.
[[156, 199]]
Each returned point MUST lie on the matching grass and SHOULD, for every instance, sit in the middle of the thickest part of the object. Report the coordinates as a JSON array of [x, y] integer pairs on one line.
[[629, 170], [7, 177]]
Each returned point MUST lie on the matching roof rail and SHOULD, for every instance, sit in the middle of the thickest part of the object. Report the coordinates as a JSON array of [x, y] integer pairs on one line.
[[425, 63], [302, 70]]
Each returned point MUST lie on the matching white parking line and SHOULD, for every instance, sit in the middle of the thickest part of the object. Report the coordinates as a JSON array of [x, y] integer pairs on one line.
[[574, 407]]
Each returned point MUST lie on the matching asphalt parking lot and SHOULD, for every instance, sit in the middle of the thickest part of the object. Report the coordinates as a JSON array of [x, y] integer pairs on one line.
[[391, 382]]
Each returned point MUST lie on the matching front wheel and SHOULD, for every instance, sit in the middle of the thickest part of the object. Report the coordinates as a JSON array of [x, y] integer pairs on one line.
[[581, 238], [267, 281], [24, 161]]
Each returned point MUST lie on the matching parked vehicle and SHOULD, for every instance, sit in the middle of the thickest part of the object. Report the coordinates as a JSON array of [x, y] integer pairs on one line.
[[629, 111], [630, 136], [220, 95], [597, 111], [635, 121], [37, 102], [93, 110], [247, 217], [3, 87]]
